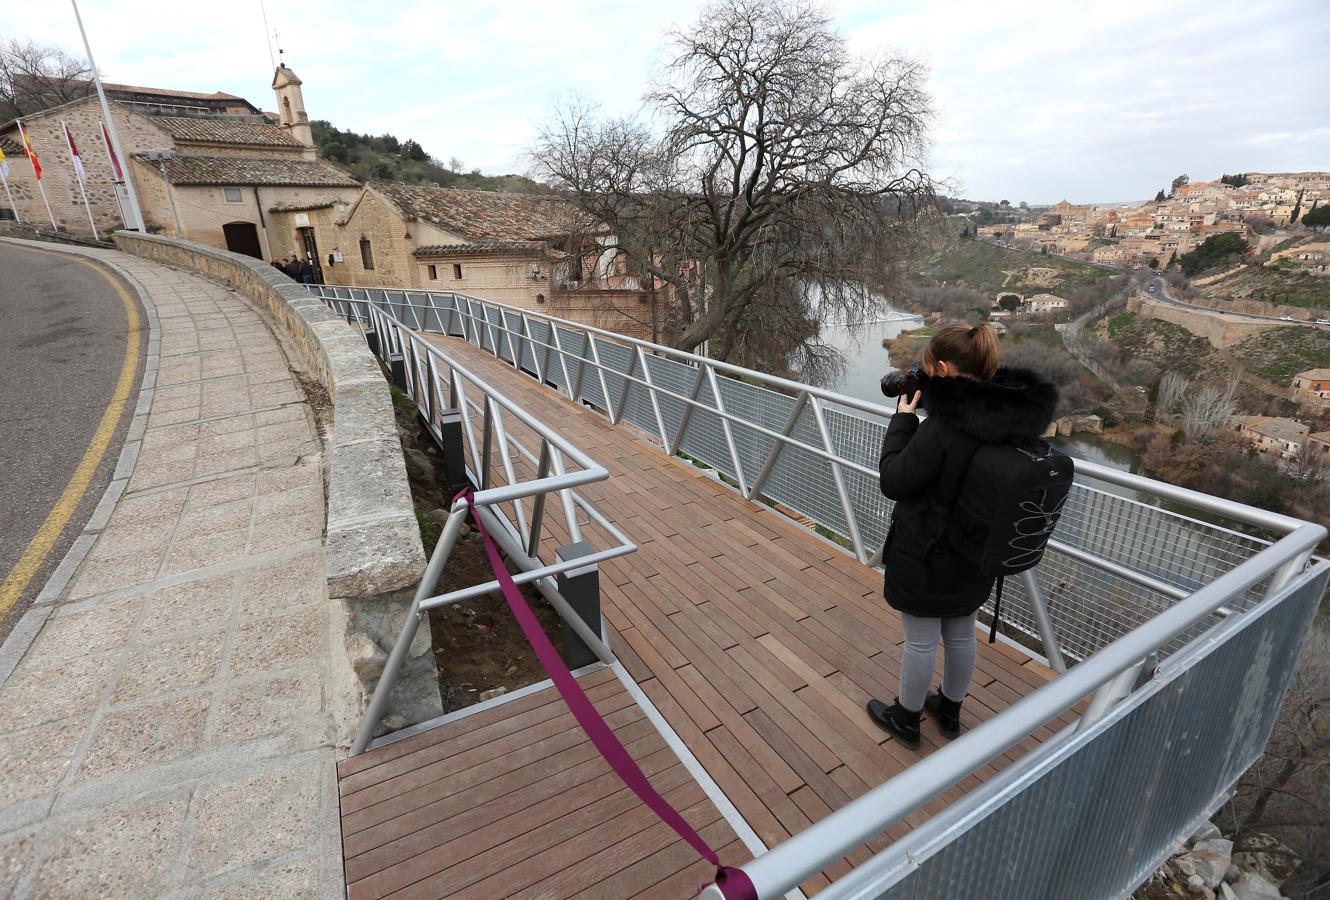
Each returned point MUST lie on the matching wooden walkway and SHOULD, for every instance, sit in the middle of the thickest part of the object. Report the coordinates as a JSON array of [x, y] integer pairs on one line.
[[758, 642]]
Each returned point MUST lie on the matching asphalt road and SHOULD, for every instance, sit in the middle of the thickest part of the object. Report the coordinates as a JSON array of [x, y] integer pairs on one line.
[[1161, 293], [63, 339]]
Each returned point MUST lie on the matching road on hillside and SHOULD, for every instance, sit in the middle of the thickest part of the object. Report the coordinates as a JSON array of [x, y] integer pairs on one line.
[[1160, 292], [62, 351]]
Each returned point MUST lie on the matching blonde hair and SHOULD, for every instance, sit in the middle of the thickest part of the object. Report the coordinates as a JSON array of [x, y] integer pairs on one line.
[[973, 351]]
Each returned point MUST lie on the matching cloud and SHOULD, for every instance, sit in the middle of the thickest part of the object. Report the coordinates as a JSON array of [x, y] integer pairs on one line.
[[1035, 99]]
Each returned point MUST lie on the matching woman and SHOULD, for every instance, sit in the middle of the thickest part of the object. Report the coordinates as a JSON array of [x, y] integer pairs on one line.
[[970, 402]]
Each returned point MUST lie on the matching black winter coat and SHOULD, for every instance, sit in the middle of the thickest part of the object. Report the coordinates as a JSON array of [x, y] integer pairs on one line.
[[922, 468]]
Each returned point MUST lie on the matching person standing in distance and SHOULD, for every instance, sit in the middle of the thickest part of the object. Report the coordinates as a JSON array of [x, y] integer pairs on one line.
[[971, 401]]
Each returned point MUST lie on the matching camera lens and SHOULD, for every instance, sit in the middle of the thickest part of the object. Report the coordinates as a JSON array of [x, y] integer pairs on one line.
[[896, 383]]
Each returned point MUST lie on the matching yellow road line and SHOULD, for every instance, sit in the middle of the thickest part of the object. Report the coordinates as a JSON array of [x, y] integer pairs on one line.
[[34, 556]]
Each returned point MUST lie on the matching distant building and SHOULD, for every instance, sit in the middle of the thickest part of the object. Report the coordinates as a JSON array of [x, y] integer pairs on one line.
[[1312, 386], [1318, 448], [1044, 303], [1273, 435]]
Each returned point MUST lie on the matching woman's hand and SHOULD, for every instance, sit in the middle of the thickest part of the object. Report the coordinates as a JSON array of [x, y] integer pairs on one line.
[[908, 406]]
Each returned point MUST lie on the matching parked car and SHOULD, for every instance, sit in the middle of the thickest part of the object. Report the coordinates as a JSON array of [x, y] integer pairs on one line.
[[1323, 321], [1286, 318]]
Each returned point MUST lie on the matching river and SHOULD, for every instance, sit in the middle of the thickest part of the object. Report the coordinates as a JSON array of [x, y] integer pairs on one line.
[[867, 361]]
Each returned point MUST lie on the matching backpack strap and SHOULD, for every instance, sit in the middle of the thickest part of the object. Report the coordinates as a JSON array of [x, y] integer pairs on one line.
[[997, 610]]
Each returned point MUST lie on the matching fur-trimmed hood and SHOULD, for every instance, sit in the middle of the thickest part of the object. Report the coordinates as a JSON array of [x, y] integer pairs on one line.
[[1015, 404]]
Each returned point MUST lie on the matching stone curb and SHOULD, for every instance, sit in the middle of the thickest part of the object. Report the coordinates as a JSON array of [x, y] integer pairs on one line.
[[26, 629], [360, 480]]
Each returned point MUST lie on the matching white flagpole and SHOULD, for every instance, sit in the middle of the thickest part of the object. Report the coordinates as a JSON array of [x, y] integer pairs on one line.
[[27, 143], [110, 127], [78, 174]]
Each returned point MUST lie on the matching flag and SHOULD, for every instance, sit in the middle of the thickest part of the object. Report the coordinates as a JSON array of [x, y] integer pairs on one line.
[[110, 151], [74, 154], [31, 154], [4, 166]]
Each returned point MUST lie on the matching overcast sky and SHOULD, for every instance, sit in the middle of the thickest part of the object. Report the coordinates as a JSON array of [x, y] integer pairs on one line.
[[1036, 100]]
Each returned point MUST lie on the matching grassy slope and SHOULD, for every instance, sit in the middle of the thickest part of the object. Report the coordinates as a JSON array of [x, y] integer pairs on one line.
[[1281, 283], [983, 267], [1283, 352]]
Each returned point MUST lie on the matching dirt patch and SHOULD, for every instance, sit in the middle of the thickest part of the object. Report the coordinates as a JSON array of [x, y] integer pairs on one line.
[[478, 645]]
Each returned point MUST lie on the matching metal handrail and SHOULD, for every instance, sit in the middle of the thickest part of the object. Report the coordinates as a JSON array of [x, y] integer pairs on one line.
[[431, 374], [791, 862]]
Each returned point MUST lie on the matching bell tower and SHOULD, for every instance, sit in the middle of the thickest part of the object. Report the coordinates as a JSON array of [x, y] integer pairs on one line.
[[292, 117]]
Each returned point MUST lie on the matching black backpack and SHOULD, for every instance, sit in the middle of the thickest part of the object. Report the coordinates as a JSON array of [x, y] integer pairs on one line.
[[1009, 503]]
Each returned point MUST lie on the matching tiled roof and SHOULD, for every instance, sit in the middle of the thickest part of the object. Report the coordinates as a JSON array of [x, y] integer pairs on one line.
[[240, 170], [225, 130], [163, 92], [478, 247], [493, 215], [10, 148]]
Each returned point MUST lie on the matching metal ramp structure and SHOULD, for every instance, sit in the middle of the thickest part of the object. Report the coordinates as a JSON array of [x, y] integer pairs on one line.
[[737, 647]]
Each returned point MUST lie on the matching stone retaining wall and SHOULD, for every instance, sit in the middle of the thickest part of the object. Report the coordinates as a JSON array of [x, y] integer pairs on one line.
[[1221, 331], [373, 556]]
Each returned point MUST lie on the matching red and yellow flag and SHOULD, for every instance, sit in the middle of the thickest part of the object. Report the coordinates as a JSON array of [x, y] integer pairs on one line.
[[110, 151], [32, 154]]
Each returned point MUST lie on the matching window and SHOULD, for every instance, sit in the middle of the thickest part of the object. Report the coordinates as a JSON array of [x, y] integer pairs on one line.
[[457, 271], [433, 273], [540, 298], [366, 254], [232, 195]]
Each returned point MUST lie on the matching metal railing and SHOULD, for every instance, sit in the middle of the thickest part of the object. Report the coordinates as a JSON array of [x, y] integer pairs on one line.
[[512, 458], [1125, 591]]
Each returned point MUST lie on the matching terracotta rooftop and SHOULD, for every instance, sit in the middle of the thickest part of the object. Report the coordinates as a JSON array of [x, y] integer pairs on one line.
[[477, 247], [163, 92], [225, 130], [10, 148], [492, 215], [240, 170], [298, 206]]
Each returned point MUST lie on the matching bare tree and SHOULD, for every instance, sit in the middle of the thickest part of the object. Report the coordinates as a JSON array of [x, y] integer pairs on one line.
[[779, 184], [1172, 387], [1208, 408], [35, 76]]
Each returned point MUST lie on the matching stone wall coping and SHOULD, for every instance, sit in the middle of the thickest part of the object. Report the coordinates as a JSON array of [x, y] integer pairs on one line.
[[373, 538]]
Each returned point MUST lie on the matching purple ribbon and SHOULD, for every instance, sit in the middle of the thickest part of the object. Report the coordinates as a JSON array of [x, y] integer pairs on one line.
[[734, 884]]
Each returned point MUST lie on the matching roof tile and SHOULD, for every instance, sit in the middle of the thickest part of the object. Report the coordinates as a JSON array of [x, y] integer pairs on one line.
[[486, 215], [225, 130], [241, 170]]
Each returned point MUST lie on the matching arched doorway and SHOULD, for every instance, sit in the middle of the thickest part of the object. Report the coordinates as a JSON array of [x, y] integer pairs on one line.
[[243, 237]]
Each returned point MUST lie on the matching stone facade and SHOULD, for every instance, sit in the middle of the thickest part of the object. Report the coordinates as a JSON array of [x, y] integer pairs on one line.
[[202, 203], [408, 250]]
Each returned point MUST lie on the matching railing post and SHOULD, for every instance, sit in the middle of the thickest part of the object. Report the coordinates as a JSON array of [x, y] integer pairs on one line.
[[581, 588], [616, 411], [1052, 649], [393, 667], [727, 431], [454, 456], [655, 402], [851, 522], [397, 366], [687, 414], [538, 505], [1109, 694]]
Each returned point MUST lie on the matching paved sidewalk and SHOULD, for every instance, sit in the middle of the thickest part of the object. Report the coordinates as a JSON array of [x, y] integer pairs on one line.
[[167, 731]]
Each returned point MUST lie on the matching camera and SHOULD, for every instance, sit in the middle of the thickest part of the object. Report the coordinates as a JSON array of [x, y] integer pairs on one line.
[[906, 382]]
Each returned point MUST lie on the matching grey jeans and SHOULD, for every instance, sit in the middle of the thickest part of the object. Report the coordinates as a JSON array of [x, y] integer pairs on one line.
[[958, 652]]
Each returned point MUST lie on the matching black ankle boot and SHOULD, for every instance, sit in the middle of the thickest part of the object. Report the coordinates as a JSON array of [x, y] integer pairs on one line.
[[947, 713], [898, 721]]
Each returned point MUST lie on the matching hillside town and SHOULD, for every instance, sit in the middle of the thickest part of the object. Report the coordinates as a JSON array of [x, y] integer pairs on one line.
[[1157, 232]]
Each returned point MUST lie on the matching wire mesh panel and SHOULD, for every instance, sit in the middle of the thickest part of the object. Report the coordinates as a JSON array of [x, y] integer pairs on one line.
[[1106, 809]]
